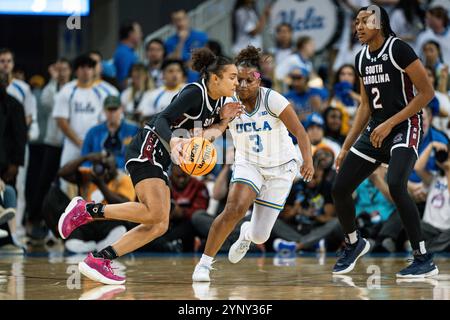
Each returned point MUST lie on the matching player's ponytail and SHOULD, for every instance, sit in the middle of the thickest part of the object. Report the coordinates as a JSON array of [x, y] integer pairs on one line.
[[206, 62], [249, 57]]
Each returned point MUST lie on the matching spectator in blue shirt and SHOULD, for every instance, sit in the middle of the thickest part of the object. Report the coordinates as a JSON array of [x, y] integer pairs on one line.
[[130, 36], [180, 45], [305, 100], [112, 136]]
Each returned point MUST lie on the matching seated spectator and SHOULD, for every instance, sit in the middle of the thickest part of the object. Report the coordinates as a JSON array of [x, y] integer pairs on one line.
[[437, 22], [155, 101], [155, 54], [314, 126], [432, 56], [8, 206], [132, 96], [111, 136], [430, 134], [130, 37], [180, 45], [345, 95], [103, 183], [304, 99], [333, 125], [309, 214], [301, 59], [188, 195], [440, 105], [436, 219]]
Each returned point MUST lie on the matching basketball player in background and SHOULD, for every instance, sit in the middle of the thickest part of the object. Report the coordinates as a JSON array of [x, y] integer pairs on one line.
[[388, 124], [266, 164], [148, 160]]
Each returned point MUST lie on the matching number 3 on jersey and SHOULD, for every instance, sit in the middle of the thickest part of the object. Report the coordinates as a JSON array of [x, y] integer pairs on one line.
[[376, 92], [259, 147]]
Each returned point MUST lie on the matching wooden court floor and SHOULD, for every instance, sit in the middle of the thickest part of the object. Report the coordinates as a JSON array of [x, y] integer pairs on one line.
[[267, 277]]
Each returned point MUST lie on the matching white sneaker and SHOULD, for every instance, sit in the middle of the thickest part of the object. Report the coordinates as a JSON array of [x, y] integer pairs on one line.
[[3, 233], [201, 273], [241, 246]]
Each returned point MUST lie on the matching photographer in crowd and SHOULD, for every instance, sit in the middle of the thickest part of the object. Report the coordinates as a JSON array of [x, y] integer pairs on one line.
[[436, 218], [101, 183]]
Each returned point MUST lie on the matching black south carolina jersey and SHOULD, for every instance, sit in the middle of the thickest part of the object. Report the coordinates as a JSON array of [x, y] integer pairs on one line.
[[190, 108], [387, 85]]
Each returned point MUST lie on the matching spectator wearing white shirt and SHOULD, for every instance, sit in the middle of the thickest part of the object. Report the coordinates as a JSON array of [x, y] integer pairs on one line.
[[107, 87], [132, 96], [247, 25], [155, 101], [436, 218], [437, 22], [78, 107], [300, 59]]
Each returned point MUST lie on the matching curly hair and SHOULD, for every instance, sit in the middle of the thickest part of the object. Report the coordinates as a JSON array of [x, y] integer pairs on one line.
[[249, 57]]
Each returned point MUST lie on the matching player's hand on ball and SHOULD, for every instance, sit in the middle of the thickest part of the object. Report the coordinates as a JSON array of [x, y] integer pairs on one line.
[[340, 158], [307, 171], [231, 110], [176, 149], [379, 134]]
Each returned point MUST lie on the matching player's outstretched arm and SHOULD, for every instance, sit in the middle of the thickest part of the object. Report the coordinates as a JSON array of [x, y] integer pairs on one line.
[[290, 120]]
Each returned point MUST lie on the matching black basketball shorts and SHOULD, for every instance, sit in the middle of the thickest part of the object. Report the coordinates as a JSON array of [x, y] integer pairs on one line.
[[407, 134], [146, 157]]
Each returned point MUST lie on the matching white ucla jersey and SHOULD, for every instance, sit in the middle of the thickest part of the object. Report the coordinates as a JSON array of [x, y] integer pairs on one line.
[[261, 138], [82, 106]]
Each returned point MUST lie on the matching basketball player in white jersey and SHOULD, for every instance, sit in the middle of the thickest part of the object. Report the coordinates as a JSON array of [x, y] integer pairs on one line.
[[101, 84], [266, 164]]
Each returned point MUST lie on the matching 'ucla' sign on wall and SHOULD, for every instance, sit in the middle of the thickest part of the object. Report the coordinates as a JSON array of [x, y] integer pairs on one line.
[[319, 19]]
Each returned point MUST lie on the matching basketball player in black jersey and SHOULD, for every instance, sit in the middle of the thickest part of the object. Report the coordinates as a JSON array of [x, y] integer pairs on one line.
[[198, 105], [387, 130]]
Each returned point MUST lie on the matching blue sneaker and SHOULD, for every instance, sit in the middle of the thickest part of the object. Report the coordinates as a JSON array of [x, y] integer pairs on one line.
[[422, 266], [350, 255], [284, 247]]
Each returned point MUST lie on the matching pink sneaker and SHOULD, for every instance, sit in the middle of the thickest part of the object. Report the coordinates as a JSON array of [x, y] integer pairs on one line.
[[100, 270], [74, 216]]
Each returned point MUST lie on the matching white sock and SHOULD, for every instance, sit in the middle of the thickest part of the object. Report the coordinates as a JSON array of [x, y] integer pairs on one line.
[[353, 237], [206, 260], [422, 248]]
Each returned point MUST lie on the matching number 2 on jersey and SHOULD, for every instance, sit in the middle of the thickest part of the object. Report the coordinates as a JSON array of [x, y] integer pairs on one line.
[[376, 92], [259, 147]]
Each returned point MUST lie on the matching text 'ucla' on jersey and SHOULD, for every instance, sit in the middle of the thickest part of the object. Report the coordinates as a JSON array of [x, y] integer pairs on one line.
[[260, 137]]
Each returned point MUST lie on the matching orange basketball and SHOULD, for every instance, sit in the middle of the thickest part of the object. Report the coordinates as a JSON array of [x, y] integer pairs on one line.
[[199, 157]]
